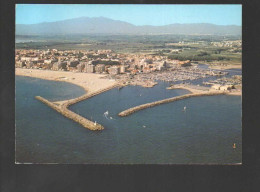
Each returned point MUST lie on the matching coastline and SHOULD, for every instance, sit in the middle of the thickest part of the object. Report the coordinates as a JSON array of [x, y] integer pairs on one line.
[[94, 85], [89, 81]]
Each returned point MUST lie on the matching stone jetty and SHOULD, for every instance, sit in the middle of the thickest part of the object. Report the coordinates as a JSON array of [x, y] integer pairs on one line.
[[152, 104], [71, 115], [89, 95], [63, 108]]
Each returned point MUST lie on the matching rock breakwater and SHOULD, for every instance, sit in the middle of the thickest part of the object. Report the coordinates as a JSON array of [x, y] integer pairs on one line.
[[63, 109], [152, 104]]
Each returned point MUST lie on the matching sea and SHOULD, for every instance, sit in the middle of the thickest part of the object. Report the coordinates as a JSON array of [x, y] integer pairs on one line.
[[166, 134]]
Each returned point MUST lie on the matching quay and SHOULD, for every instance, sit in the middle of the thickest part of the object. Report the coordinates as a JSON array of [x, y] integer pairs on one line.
[[172, 99], [62, 108]]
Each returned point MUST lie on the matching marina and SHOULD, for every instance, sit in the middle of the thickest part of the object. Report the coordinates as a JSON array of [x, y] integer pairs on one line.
[[131, 139]]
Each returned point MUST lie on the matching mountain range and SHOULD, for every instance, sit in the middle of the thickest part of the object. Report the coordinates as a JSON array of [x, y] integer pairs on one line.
[[102, 25]]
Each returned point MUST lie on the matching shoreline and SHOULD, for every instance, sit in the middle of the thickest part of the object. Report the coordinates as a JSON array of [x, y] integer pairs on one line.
[[90, 82], [96, 86]]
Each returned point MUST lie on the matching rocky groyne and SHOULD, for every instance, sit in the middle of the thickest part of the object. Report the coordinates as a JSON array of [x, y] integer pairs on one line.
[[172, 99], [89, 95], [63, 109], [71, 115]]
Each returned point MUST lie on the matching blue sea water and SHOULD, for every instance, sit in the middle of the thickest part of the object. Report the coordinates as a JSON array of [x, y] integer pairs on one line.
[[164, 134]]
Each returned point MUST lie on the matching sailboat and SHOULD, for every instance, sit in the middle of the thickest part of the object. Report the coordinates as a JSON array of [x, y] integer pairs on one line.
[[184, 108], [95, 123]]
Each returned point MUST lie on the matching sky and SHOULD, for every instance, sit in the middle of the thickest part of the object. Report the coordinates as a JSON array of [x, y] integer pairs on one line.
[[135, 14]]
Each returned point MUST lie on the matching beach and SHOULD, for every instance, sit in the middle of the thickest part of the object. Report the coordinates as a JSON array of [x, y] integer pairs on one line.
[[89, 81]]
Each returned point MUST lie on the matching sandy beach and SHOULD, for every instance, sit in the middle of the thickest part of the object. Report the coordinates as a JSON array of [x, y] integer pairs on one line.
[[89, 81]]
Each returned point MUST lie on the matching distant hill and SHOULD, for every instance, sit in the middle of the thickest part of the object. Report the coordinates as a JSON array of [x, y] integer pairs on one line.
[[102, 25]]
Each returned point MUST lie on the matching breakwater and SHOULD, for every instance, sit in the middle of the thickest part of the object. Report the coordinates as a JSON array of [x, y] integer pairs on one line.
[[152, 104], [71, 115], [89, 95], [63, 109]]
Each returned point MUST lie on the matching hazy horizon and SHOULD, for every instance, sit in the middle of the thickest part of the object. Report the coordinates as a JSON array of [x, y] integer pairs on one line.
[[138, 15], [122, 21]]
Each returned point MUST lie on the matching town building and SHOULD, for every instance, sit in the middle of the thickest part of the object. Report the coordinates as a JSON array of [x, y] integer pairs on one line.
[[122, 69], [90, 68], [80, 67], [100, 68], [29, 64], [61, 65], [114, 70], [73, 63]]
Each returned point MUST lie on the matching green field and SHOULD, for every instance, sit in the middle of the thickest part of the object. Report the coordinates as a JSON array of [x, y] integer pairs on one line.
[[195, 48]]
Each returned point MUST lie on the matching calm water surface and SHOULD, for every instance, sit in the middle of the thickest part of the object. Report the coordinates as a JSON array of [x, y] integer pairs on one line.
[[164, 134]]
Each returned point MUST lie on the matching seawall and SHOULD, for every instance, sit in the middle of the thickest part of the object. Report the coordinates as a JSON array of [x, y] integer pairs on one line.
[[89, 95], [71, 115], [172, 99], [63, 109]]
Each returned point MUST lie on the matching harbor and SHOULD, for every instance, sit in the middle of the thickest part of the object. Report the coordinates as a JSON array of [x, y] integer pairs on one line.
[[62, 108]]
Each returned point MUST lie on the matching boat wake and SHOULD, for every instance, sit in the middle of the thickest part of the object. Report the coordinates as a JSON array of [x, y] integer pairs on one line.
[[106, 116]]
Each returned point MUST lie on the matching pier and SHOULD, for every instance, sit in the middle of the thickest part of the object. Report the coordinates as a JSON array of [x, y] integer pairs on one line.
[[172, 99], [62, 108]]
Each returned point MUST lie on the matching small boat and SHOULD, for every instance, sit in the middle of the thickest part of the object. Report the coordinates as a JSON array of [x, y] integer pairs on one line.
[[144, 126], [234, 146], [184, 108], [106, 113], [95, 123]]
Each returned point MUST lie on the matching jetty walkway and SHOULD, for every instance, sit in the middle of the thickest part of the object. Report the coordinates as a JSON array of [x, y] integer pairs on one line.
[[172, 99], [62, 108]]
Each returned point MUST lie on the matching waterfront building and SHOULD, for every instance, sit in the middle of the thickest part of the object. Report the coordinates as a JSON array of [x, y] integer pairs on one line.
[[61, 65], [80, 67], [90, 68], [47, 65], [114, 70], [73, 63], [100, 68], [29, 64], [20, 64]]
